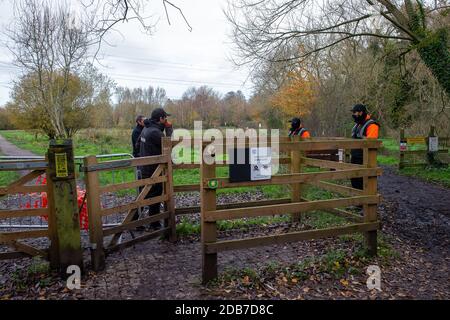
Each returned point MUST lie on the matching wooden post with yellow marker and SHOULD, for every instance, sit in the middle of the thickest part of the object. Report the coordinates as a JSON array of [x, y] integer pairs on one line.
[[64, 220]]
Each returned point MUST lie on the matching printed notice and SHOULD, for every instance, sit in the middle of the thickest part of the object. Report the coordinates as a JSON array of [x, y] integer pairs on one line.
[[260, 163], [433, 144], [61, 165]]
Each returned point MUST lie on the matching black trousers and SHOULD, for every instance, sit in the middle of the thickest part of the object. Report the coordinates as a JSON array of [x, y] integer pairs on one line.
[[357, 183], [155, 191]]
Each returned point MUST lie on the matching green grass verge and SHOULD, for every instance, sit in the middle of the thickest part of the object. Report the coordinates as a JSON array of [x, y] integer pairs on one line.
[[390, 145], [86, 142], [387, 160], [440, 176]]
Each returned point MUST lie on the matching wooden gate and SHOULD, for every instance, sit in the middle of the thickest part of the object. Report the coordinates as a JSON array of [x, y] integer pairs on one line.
[[368, 198], [414, 151], [103, 239], [21, 186]]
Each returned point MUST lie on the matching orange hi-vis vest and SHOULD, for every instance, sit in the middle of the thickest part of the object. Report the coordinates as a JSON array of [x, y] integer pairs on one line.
[[369, 129], [302, 132]]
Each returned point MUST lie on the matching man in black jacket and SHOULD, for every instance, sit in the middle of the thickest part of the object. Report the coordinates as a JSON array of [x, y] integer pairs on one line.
[[151, 146], [136, 134]]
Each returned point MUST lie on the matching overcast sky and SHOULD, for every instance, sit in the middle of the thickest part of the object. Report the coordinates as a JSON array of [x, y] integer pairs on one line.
[[172, 58]]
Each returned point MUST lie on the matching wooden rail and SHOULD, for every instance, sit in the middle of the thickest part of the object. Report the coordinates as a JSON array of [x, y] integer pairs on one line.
[[298, 178], [251, 212], [19, 186], [289, 237]]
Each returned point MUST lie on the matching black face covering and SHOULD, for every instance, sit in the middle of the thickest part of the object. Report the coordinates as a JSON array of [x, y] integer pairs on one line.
[[360, 119], [295, 125]]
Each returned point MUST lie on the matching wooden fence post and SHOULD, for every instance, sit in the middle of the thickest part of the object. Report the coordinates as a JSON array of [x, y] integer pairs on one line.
[[170, 204], [370, 210], [95, 218], [208, 229], [296, 187], [401, 163], [53, 234], [64, 223]]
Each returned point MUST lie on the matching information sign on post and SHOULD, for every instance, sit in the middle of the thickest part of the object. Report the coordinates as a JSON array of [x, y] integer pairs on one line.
[[433, 144]]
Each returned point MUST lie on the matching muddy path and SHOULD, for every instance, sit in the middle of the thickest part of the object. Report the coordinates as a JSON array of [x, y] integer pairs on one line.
[[9, 149], [420, 210]]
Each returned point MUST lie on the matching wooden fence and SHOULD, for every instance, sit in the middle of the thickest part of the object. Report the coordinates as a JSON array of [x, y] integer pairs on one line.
[[64, 231], [296, 205], [415, 151]]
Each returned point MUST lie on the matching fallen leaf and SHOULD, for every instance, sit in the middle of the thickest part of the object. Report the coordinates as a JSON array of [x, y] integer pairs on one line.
[[294, 280], [344, 282], [305, 289]]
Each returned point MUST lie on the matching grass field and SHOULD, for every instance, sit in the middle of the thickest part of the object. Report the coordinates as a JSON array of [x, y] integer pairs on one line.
[[112, 141], [86, 142], [387, 155]]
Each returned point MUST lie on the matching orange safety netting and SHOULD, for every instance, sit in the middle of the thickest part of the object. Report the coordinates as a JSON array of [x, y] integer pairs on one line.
[[40, 201]]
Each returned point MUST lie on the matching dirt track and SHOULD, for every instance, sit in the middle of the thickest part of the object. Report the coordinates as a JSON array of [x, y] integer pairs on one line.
[[421, 210], [9, 149]]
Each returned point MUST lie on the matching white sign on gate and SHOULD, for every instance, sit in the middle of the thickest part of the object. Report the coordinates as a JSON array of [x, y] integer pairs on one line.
[[260, 163]]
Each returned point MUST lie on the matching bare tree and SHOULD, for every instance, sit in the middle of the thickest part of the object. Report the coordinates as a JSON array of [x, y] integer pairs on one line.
[[132, 102], [51, 48], [292, 30], [112, 12]]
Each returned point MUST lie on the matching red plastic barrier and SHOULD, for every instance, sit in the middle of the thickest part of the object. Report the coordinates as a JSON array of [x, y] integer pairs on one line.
[[42, 202]]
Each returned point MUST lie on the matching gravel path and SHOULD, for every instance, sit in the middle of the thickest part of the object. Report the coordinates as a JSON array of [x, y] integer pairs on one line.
[[9, 149]]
